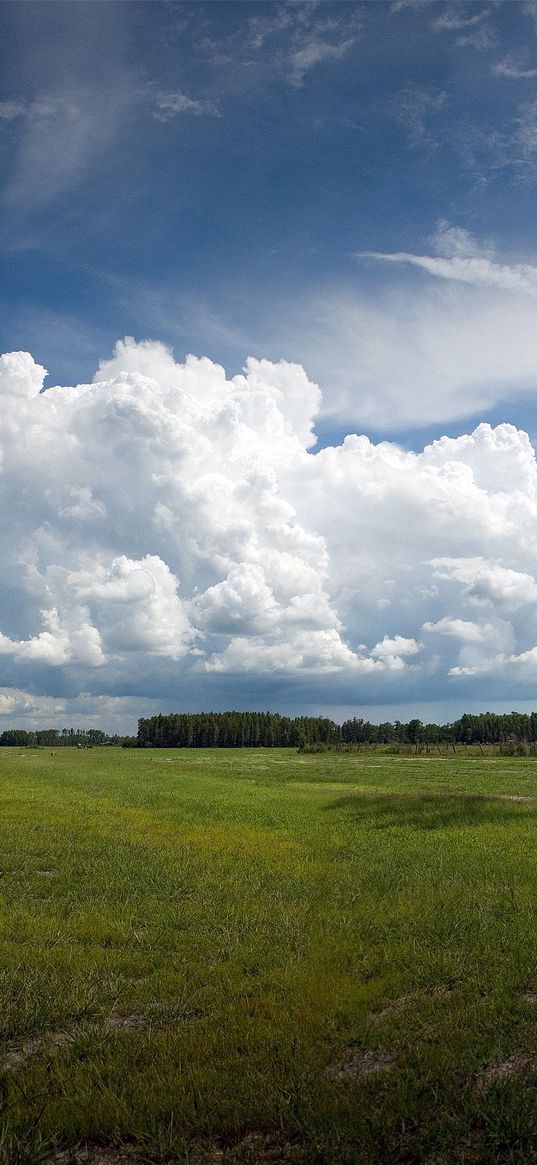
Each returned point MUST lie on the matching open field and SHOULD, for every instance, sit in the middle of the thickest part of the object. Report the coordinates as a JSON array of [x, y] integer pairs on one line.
[[252, 956]]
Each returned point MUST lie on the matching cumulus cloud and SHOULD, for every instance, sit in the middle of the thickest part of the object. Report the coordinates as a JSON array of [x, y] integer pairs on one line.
[[399, 646], [167, 529], [462, 629], [487, 582]]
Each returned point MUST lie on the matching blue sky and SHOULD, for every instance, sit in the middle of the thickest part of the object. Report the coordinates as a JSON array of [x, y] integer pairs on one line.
[[196, 173], [345, 186]]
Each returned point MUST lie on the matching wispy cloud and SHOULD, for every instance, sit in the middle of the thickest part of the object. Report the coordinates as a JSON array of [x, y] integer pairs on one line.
[[169, 104], [400, 5], [15, 108], [312, 51], [507, 149], [10, 110], [513, 67], [288, 40], [482, 38], [416, 109], [61, 135], [526, 134], [529, 8], [466, 262], [451, 242], [452, 20]]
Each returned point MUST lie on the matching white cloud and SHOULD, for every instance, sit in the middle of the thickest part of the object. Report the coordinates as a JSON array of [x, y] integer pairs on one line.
[[457, 243], [412, 355], [296, 37], [314, 653], [313, 50], [473, 269], [19, 706], [169, 104], [397, 646], [482, 38], [487, 582], [453, 19], [514, 68], [462, 629], [400, 5], [22, 709], [136, 605], [167, 529], [428, 354], [20, 375], [282, 42]]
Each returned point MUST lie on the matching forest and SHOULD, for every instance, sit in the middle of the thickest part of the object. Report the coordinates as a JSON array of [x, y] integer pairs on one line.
[[270, 730], [66, 738]]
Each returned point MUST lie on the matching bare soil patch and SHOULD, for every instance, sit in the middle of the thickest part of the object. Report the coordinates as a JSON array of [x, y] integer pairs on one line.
[[127, 1023], [98, 1155], [407, 1000], [506, 1069], [47, 1042], [393, 1008], [357, 1065], [33, 1046], [253, 1149]]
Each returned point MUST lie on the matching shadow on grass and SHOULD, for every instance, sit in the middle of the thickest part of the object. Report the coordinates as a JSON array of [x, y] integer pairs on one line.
[[433, 810]]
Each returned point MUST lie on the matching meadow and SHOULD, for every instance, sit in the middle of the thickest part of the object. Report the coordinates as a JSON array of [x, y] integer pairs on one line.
[[247, 956]]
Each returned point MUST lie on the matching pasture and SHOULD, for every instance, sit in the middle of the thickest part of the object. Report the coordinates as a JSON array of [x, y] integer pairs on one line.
[[228, 957]]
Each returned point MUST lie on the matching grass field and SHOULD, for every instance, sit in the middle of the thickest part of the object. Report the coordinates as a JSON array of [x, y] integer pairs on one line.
[[254, 956]]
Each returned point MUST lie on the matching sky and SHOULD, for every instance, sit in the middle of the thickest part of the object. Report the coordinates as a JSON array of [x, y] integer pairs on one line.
[[268, 284]]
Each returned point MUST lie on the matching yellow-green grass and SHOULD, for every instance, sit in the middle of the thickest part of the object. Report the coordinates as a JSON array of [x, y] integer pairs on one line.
[[256, 955]]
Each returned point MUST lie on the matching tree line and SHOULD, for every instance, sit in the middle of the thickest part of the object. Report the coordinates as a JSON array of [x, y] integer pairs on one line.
[[54, 738], [270, 730], [235, 730]]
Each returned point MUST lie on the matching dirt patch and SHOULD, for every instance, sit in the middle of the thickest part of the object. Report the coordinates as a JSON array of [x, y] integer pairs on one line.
[[254, 1149], [47, 1042], [126, 1023], [530, 997], [513, 797], [506, 1069], [393, 1008], [98, 1155], [358, 1065], [412, 997], [18, 1054]]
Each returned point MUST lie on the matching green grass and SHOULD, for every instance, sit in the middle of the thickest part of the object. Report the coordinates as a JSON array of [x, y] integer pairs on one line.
[[248, 956]]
